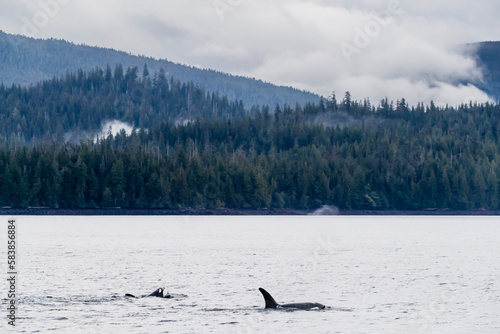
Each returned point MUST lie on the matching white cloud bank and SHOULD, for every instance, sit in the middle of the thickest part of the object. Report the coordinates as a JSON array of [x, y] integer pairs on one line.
[[377, 48]]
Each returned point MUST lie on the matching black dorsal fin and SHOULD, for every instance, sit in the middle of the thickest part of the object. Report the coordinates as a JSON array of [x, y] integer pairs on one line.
[[270, 302]]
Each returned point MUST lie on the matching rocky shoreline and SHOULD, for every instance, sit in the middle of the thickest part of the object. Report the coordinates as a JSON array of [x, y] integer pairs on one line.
[[236, 212]]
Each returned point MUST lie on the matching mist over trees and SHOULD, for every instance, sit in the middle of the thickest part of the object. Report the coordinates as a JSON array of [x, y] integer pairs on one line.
[[84, 101], [343, 152]]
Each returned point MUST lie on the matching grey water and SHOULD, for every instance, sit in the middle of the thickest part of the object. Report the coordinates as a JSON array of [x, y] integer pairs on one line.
[[375, 274]]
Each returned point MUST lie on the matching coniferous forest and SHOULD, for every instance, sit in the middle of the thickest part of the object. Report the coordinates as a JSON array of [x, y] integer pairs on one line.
[[192, 148]]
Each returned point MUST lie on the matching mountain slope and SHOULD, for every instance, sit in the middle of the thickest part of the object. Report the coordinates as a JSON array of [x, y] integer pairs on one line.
[[488, 58], [26, 61]]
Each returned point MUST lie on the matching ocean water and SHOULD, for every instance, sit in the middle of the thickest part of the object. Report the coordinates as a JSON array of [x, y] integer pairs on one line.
[[374, 274]]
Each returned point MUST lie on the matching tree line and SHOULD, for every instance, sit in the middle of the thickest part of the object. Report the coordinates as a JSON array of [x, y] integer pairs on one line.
[[347, 153], [82, 102]]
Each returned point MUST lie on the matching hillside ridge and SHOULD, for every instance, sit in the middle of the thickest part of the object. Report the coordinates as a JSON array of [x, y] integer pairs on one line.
[[26, 61]]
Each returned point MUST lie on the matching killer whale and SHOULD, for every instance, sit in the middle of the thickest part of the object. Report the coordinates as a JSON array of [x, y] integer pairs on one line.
[[271, 303], [160, 292]]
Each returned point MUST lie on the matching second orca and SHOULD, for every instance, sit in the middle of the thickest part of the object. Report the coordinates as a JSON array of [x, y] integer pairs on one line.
[[161, 293]]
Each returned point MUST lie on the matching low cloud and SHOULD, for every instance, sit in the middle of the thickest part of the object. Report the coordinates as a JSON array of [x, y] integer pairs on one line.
[[377, 54]]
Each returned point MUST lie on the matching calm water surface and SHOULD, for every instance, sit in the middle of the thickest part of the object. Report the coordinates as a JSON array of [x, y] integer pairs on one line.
[[375, 274]]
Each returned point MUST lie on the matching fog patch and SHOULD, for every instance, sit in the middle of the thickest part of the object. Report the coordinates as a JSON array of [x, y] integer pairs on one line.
[[181, 121], [342, 119], [112, 127]]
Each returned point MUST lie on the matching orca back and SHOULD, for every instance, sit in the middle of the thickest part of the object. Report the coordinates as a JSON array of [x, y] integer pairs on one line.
[[158, 293], [304, 306], [270, 302]]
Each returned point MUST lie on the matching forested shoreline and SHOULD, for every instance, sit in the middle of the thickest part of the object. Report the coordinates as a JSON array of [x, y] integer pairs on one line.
[[346, 153]]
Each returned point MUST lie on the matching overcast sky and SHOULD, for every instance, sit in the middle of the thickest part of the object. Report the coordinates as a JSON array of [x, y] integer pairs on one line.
[[373, 48]]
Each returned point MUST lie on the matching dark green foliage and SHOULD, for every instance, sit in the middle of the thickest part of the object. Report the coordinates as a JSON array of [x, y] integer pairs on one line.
[[347, 154], [191, 148], [78, 104]]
